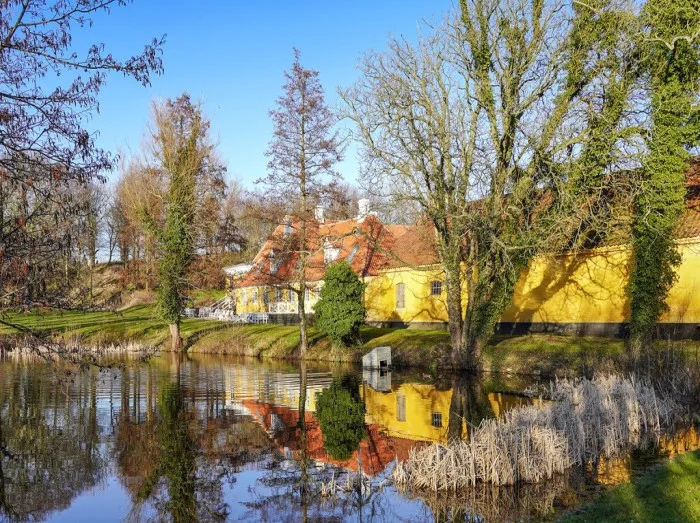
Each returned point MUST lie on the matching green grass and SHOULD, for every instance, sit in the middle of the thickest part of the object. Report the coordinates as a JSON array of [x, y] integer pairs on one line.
[[547, 355], [668, 493], [139, 323], [205, 297]]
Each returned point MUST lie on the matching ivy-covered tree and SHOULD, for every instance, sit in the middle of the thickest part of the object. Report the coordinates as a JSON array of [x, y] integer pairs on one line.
[[341, 417], [184, 153], [340, 310], [673, 61]]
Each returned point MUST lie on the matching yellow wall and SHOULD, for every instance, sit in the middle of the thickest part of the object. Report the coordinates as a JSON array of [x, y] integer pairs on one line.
[[562, 288], [566, 288], [251, 305], [420, 305]]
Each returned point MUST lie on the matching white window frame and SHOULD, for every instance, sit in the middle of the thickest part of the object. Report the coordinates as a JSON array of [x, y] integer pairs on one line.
[[400, 295]]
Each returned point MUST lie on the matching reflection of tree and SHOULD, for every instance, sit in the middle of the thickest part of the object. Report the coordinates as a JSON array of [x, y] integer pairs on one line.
[[49, 450], [342, 418], [469, 404], [180, 484]]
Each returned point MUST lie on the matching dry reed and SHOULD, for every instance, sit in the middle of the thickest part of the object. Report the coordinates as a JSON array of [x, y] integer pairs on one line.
[[587, 419]]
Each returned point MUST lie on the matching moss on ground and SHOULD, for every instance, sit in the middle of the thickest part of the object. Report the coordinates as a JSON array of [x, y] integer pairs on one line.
[[668, 493], [546, 355]]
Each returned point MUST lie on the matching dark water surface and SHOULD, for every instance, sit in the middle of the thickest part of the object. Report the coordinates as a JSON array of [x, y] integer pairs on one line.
[[211, 439]]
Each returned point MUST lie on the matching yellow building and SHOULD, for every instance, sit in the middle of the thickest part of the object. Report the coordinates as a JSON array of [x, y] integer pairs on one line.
[[582, 292]]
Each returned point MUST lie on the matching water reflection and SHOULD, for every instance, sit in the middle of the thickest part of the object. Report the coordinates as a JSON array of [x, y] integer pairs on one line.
[[219, 439]]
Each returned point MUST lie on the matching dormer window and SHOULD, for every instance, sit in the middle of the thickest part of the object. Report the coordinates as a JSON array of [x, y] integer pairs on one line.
[[330, 253], [353, 253], [275, 262]]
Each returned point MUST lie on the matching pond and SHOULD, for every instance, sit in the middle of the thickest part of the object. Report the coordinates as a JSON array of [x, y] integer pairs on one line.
[[212, 438]]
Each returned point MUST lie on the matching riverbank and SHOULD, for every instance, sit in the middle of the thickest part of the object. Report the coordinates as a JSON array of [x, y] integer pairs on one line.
[[670, 492], [545, 355]]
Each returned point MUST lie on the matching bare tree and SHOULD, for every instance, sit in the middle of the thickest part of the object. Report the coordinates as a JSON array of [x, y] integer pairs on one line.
[[303, 152], [484, 124], [46, 92]]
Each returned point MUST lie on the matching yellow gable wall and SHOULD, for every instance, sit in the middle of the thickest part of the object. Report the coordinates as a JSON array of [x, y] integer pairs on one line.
[[420, 305]]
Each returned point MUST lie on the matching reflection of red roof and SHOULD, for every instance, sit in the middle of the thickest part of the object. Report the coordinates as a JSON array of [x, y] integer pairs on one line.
[[375, 452], [367, 244]]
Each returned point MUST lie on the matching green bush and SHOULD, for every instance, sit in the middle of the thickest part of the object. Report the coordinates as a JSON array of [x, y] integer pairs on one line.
[[340, 310], [341, 415]]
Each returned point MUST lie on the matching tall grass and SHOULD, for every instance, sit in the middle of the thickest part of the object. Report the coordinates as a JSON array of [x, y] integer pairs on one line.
[[587, 419]]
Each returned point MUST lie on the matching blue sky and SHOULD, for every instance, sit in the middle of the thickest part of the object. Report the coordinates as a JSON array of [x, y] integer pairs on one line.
[[232, 54]]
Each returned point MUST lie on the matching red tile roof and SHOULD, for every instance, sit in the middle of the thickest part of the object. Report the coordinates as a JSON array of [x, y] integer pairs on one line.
[[371, 246], [367, 244]]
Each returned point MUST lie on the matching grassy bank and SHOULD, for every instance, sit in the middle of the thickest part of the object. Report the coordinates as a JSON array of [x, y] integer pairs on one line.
[[541, 354], [668, 493]]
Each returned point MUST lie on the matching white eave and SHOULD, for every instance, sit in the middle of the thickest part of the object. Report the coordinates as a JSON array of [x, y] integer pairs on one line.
[[238, 270]]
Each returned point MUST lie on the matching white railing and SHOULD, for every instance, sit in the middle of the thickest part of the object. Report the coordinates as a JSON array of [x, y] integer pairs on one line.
[[210, 313], [283, 307]]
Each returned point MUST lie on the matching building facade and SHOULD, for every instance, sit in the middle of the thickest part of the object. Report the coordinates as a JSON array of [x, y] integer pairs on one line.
[[582, 292]]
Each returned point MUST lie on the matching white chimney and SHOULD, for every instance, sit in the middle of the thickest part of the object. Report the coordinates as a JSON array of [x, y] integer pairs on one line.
[[287, 226], [318, 213], [362, 207]]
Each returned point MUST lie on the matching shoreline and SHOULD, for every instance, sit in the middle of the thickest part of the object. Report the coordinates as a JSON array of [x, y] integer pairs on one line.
[[542, 355]]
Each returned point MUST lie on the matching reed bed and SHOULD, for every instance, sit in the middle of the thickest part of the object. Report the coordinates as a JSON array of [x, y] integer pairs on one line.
[[587, 419], [530, 502], [81, 355]]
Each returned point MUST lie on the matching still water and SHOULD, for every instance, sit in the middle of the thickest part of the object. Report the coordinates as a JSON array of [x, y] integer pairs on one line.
[[214, 439]]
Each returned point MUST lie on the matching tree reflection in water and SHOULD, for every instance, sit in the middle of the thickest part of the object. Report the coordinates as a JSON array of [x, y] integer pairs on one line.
[[181, 485], [210, 439], [49, 442]]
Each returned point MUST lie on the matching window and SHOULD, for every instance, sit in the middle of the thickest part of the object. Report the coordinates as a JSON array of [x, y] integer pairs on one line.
[[330, 253], [435, 288], [266, 297], [400, 296], [254, 299], [279, 294], [244, 297], [352, 254], [307, 295], [436, 420], [400, 407]]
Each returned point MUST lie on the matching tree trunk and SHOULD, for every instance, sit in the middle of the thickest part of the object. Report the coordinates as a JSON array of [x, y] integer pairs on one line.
[[303, 336], [175, 338], [453, 284], [304, 477], [473, 355]]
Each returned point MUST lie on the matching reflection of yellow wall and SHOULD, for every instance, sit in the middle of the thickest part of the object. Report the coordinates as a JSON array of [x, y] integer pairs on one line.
[[613, 471], [278, 388], [421, 402], [501, 403]]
